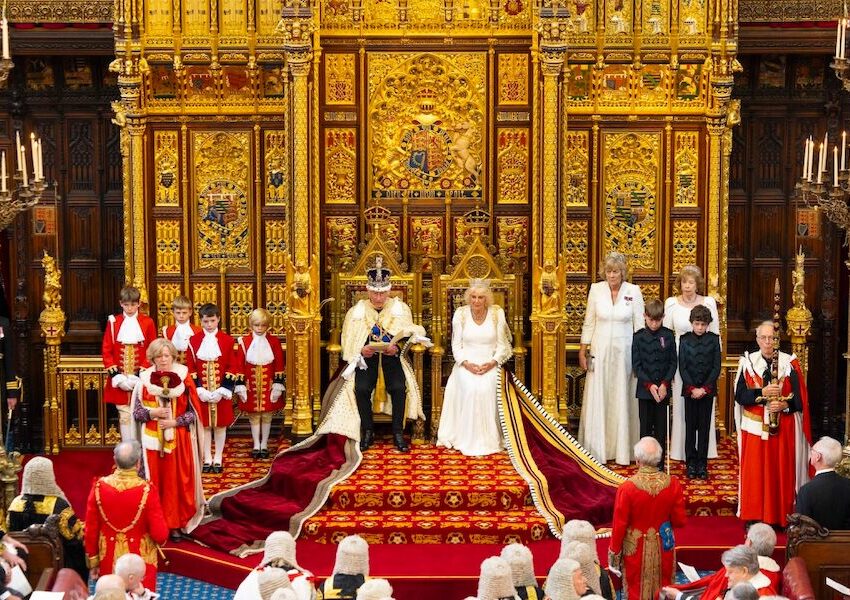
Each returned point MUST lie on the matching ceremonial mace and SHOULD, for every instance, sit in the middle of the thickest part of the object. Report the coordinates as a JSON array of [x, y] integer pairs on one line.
[[167, 380], [773, 417]]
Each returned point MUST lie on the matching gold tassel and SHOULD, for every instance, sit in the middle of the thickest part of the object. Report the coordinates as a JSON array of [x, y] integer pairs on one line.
[[380, 396]]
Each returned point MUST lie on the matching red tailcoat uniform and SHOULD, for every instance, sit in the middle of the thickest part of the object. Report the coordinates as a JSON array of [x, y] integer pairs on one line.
[[773, 466], [224, 372], [260, 378], [646, 508], [173, 466], [124, 359], [124, 515], [715, 585], [168, 333]]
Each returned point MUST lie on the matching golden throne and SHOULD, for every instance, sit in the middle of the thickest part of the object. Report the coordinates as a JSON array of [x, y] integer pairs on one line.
[[348, 285], [478, 260]]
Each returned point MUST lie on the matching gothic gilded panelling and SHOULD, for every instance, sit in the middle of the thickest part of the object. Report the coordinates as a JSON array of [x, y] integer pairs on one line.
[[619, 18], [615, 86], [233, 19], [201, 88], [512, 233], [340, 173], [434, 147], [462, 230], [241, 305], [576, 242], [651, 291], [165, 294], [652, 86], [341, 239], [275, 244], [689, 86], [276, 167], [168, 253], [203, 293], [276, 305], [223, 187], [656, 19], [339, 79], [513, 79], [512, 165], [576, 168], [575, 300], [580, 84], [686, 176], [692, 19], [631, 182], [684, 244], [158, 22], [196, 21], [427, 238], [392, 232], [268, 16], [166, 170], [60, 11]]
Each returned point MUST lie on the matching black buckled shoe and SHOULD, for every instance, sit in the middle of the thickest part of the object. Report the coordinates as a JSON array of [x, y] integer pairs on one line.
[[207, 468], [255, 453], [217, 468], [264, 453], [366, 440], [175, 536], [400, 444]]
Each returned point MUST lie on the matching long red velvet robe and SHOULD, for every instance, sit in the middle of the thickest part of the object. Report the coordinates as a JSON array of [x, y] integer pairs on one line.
[[643, 503], [260, 378], [773, 467], [224, 372], [123, 514], [118, 358], [715, 585], [177, 473]]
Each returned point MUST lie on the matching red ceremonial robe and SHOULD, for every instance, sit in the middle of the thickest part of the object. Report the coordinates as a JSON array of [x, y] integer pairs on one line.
[[123, 515], [176, 469], [773, 467], [715, 585], [646, 508], [260, 378], [211, 375], [118, 358], [168, 333]]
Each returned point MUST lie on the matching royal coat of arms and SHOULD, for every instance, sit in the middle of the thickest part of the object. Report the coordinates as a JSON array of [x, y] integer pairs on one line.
[[223, 225]]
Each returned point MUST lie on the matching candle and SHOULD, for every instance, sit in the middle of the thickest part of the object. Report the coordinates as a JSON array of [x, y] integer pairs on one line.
[[842, 28], [835, 166], [40, 162], [837, 39], [811, 157], [805, 156], [24, 169], [820, 162], [4, 25], [3, 175], [34, 150], [18, 148]]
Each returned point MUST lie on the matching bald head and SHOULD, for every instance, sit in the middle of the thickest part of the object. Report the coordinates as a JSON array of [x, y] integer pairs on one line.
[[648, 452], [127, 454]]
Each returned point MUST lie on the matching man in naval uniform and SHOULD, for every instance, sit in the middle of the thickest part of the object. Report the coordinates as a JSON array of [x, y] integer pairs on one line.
[[372, 336]]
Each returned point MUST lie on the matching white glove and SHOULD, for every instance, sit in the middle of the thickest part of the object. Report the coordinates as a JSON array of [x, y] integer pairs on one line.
[[277, 392], [119, 380], [203, 394], [223, 392], [214, 397], [133, 380], [242, 392]]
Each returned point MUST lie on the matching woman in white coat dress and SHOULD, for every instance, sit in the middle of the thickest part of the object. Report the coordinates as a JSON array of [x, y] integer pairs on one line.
[[609, 423], [481, 341], [677, 313]]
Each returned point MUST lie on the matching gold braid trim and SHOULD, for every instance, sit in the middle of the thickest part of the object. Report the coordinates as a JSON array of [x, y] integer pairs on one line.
[[69, 531], [650, 480], [121, 546], [650, 581]]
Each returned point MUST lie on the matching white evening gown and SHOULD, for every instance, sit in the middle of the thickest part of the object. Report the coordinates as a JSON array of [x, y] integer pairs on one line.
[[678, 318], [609, 419], [470, 421]]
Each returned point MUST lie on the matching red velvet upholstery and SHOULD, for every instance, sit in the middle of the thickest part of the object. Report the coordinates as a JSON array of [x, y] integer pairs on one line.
[[70, 582], [796, 584]]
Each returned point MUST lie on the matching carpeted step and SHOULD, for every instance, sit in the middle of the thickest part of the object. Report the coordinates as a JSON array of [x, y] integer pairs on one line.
[[431, 478], [428, 526]]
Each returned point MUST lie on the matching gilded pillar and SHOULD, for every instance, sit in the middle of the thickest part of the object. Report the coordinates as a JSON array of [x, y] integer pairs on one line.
[[547, 317], [798, 318], [303, 316], [52, 321]]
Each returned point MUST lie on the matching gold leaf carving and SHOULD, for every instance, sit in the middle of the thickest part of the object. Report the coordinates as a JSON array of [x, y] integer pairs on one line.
[[684, 244], [340, 165], [512, 166], [166, 170], [575, 298], [276, 305], [576, 242], [168, 253], [513, 79], [576, 168], [165, 294], [203, 293], [276, 236], [339, 78], [241, 305], [631, 167], [427, 238], [277, 171], [341, 239], [686, 159]]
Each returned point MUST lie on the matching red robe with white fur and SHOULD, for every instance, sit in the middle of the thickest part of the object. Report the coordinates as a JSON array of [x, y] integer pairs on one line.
[[224, 372], [260, 378], [118, 358]]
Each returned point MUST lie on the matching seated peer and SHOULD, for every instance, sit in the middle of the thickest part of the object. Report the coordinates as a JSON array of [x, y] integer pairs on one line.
[[826, 498]]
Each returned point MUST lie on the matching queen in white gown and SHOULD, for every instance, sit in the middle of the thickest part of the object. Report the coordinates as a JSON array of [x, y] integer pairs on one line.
[[481, 341], [677, 313], [609, 423]]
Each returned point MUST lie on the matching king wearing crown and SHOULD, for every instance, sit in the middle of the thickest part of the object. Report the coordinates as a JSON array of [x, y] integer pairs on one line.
[[373, 333]]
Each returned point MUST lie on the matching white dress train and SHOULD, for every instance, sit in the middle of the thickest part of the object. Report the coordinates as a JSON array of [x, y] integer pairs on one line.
[[469, 421], [609, 420], [678, 318]]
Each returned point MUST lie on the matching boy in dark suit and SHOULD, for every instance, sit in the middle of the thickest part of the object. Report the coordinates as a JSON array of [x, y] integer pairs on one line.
[[654, 365], [699, 367]]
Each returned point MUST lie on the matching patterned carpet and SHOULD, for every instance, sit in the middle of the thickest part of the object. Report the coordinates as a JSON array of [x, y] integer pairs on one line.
[[435, 495], [176, 587]]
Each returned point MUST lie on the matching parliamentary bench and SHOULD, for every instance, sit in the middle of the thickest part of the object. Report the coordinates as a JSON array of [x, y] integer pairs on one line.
[[825, 553]]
